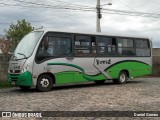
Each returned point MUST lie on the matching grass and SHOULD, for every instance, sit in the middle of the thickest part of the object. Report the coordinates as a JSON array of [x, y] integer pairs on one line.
[[4, 84]]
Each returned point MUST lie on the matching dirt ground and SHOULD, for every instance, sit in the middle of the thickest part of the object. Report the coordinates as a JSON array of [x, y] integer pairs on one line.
[[141, 94]]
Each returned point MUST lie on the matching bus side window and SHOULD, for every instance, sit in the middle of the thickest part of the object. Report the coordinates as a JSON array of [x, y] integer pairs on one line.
[[106, 46], [125, 47], [142, 47], [84, 45], [93, 46]]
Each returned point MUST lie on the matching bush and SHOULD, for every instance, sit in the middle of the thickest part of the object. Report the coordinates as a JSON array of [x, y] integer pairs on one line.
[[4, 84]]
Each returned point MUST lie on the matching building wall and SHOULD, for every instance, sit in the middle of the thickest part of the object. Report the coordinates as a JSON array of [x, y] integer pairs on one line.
[[4, 60], [156, 62]]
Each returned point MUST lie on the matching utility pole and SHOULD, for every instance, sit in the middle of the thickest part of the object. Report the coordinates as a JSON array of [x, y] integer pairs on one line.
[[99, 16]]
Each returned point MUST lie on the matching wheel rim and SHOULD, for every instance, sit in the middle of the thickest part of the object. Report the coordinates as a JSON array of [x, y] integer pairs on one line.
[[122, 78], [44, 83]]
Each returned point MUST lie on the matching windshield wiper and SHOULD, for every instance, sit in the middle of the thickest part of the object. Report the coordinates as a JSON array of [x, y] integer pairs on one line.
[[22, 54]]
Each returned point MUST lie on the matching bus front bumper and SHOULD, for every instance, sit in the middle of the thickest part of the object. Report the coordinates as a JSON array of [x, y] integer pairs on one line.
[[23, 79]]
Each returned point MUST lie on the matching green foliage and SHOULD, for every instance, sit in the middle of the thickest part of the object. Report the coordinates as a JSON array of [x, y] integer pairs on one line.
[[5, 84], [17, 31]]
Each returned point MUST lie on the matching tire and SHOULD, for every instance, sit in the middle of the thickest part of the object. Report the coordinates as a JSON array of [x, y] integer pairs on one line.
[[44, 83], [24, 88], [121, 79], [99, 81]]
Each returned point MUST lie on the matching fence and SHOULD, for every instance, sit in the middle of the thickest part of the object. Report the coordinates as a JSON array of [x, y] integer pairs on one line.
[[4, 60]]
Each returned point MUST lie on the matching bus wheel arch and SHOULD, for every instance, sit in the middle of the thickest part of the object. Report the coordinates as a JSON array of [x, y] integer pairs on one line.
[[122, 77], [126, 71], [45, 82]]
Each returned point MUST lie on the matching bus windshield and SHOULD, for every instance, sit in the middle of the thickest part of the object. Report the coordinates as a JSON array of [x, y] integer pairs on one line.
[[27, 45]]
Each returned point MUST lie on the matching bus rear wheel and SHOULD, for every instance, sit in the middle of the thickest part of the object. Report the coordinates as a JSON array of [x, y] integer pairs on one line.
[[121, 79], [44, 83]]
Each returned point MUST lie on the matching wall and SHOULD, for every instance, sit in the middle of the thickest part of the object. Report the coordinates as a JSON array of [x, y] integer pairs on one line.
[[156, 62], [5, 58], [4, 66]]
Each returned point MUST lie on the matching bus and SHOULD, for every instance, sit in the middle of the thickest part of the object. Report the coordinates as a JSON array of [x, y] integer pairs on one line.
[[46, 57]]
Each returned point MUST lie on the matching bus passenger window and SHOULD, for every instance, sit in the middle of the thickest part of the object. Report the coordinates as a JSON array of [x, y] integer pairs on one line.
[[125, 47], [84, 45], [106, 46]]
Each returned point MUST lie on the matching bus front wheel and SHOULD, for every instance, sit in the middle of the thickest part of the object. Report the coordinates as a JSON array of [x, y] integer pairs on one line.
[[44, 83], [121, 79]]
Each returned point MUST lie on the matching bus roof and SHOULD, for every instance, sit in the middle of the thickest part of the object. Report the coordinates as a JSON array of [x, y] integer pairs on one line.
[[114, 34]]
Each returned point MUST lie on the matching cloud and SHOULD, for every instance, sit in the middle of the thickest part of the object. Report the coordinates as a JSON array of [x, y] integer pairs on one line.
[[86, 21]]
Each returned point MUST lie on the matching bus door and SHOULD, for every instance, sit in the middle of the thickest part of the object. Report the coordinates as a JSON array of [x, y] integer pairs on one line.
[[102, 63], [84, 54], [106, 47]]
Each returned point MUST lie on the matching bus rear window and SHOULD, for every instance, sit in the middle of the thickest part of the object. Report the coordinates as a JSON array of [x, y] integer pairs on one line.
[[142, 47]]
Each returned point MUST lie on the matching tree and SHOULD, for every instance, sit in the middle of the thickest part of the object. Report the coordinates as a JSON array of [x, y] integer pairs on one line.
[[17, 31]]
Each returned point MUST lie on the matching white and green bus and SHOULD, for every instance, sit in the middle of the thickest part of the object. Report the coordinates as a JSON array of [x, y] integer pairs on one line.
[[44, 58]]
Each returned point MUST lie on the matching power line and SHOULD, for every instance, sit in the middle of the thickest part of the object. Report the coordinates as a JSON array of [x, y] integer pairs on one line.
[[133, 13], [135, 10], [81, 9], [75, 9], [109, 12], [55, 6], [92, 10], [62, 7], [74, 4], [31, 4]]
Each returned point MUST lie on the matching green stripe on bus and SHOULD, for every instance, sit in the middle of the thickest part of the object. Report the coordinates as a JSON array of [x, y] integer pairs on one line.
[[75, 76], [134, 68], [87, 77]]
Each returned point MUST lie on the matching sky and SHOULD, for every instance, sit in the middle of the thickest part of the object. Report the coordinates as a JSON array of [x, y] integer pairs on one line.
[[51, 14]]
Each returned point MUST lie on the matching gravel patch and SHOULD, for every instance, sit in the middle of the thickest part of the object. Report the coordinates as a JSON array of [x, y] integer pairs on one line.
[[141, 94]]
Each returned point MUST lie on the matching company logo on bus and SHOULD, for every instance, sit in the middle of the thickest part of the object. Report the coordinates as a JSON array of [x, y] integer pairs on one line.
[[103, 61]]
